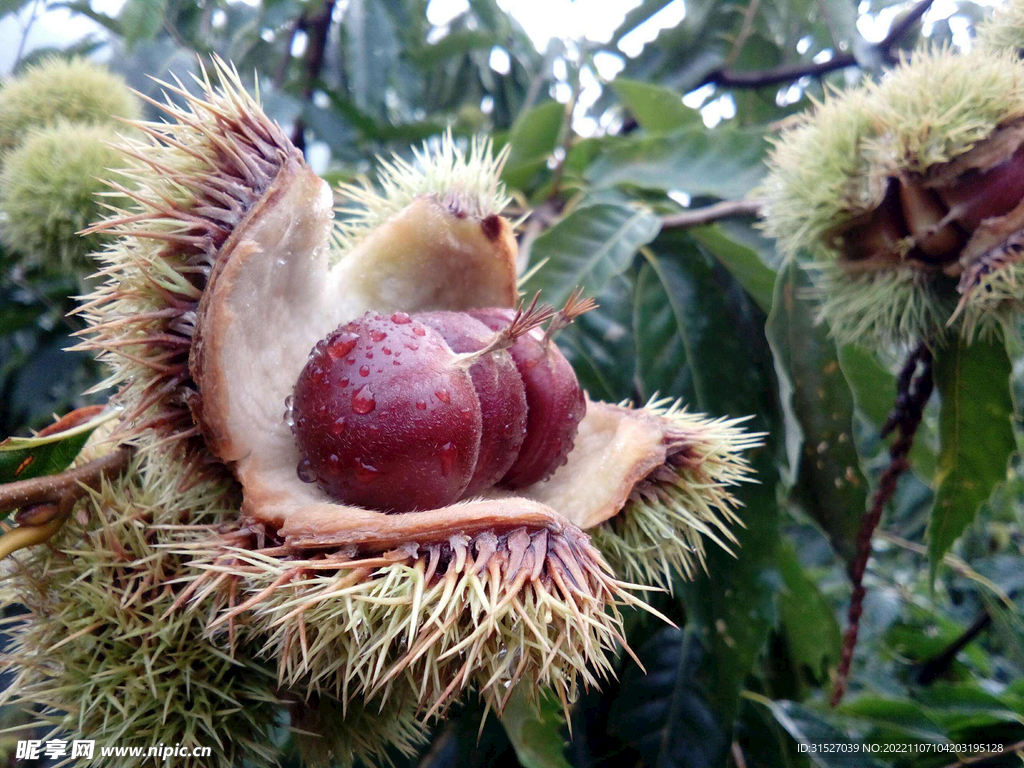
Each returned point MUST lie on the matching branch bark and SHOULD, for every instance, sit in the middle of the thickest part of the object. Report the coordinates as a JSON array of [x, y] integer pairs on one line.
[[317, 28], [914, 387], [1015, 747], [712, 213], [790, 73], [935, 666]]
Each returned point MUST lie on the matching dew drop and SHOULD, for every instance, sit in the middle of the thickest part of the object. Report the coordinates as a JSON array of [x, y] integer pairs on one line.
[[365, 473], [447, 455], [343, 381], [412, 347], [386, 350], [400, 318], [369, 355], [419, 331], [443, 396], [334, 461], [305, 471], [364, 370], [289, 402], [342, 344], [362, 400], [338, 426], [350, 360], [421, 405], [378, 335]]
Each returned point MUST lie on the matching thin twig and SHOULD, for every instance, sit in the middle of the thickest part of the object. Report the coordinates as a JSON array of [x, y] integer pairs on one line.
[[317, 29], [746, 29], [930, 670], [53, 489], [913, 389], [956, 564], [286, 59], [791, 72], [24, 35], [712, 213], [1015, 747], [737, 755]]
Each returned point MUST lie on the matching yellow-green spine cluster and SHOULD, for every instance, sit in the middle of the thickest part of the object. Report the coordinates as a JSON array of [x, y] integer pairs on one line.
[[57, 122], [864, 187]]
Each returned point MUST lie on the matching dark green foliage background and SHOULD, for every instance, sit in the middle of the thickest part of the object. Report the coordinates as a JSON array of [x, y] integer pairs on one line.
[[708, 314]]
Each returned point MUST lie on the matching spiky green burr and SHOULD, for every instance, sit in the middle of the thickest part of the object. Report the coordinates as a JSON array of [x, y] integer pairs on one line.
[[99, 656], [1004, 30], [900, 196], [664, 528], [50, 191], [62, 90]]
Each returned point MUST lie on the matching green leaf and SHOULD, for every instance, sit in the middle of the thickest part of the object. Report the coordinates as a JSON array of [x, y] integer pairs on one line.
[[141, 20], [958, 705], [600, 344], [533, 138], [589, 247], [11, 6], [657, 109], [809, 729], [23, 458], [662, 712], [535, 736], [371, 50], [975, 436], [663, 347], [729, 372], [825, 475], [453, 44], [725, 162], [906, 718], [83, 7], [744, 263], [638, 16], [812, 631]]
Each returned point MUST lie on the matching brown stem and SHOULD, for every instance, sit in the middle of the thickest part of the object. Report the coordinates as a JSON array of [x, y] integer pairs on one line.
[[940, 662], [792, 72], [286, 59], [1015, 747], [913, 388], [55, 489], [317, 29], [712, 213]]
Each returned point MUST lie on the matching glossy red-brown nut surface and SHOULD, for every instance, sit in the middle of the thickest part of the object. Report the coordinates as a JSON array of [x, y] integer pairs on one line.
[[979, 195], [555, 404], [500, 389], [383, 419]]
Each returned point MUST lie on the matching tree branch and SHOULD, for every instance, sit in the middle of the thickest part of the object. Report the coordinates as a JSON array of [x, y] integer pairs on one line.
[[789, 73], [317, 28], [939, 663], [712, 213], [914, 387], [1015, 747]]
